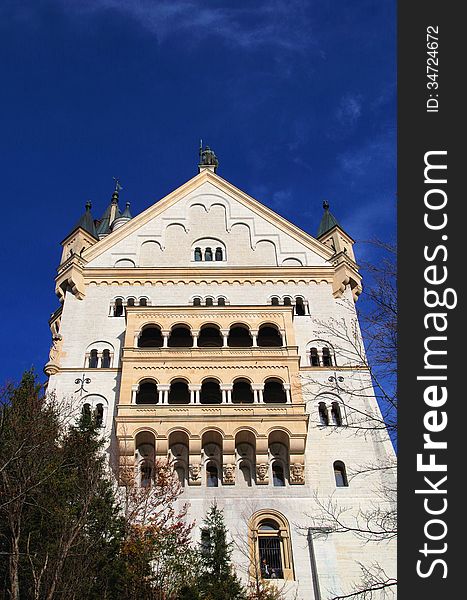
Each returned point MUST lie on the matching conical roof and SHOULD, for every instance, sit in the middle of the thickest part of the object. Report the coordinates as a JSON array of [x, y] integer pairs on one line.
[[111, 213], [328, 220], [86, 222]]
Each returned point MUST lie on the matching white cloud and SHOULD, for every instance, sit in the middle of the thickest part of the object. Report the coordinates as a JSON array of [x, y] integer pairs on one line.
[[278, 24]]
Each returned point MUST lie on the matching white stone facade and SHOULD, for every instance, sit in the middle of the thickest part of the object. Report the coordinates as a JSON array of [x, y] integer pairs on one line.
[[152, 257]]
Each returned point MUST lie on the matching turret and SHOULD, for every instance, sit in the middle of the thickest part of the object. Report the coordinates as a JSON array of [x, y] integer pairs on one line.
[[331, 234]]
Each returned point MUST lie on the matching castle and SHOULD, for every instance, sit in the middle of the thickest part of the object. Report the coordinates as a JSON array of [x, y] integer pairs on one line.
[[203, 329]]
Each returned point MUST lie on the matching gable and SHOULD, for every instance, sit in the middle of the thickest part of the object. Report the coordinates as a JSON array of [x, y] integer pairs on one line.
[[208, 217]]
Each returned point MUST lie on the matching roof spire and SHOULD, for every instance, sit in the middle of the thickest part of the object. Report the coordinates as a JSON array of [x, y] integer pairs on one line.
[[123, 218], [86, 222], [328, 220], [111, 213]]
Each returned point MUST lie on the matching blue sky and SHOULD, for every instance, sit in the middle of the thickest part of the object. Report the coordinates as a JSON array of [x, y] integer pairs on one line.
[[298, 99]]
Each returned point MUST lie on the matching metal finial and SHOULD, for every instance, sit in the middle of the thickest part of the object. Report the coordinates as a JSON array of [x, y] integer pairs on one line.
[[118, 187], [88, 205], [326, 205]]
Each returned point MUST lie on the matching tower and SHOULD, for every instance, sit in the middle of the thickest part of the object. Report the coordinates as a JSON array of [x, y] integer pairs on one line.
[[196, 330]]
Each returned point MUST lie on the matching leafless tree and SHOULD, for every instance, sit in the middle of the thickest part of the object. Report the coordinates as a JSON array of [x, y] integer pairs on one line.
[[370, 358]]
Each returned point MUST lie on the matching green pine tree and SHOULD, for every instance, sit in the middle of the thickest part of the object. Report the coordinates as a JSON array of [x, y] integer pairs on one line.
[[218, 580]]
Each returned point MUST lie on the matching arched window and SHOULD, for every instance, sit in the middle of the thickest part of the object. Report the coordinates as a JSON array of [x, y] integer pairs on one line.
[[218, 255], [314, 358], [327, 361], [143, 301], [323, 413], [340, 474], [336, 414], [151, 337], [278, 479], [210, 392], [221, 302], [210, 337], [179, 392], [118, 307], [86, 412], [270, 550], [274, 392], [93, 359], [239, 337], [287, 301], [208, 254], [196, 301], [275, 301], [105, 363], [99, 415], [130, 302], [299, 307], [242, 392], [180, 337], [198, 256], [146, 473], [209, 302], [212, 475], [268, 335], [147, 393]]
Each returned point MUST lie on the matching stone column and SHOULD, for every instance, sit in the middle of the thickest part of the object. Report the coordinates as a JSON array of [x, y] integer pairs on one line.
[[163, 393], [225, 335], [258, 389], [134, 390], [282, 334], [136, 339], [287, 393], [254, 335], [165, 335], [195, 389], [195, 335], [226, 389]]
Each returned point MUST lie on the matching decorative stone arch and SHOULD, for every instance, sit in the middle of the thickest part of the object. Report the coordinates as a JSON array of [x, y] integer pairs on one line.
[[301, 306], [276, 390], [124, 263], [146, 391], [145, 456], [144, 340], [117, 307], [270, 545], [279, 456], [245, 456], [179, 391], [212, 445], [291, 261], [176, 339], [240, 335], [208, 246], [268, 338], [210, 335], [99, 354], [98, 408], [314, 352], [178, 452], [335, 409]]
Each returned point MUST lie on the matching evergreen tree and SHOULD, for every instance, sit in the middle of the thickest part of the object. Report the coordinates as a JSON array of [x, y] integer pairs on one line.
[[218, 580], [60, 531]]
